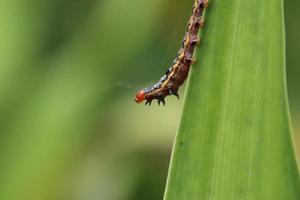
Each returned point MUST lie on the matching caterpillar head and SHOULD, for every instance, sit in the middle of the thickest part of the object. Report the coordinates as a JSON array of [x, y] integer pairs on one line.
[[140, 96]]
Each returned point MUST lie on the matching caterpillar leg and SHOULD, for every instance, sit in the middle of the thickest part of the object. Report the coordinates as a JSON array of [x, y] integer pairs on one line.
[[191, 61], [148, 102], [201, 23], [196, 41], [176, 95], [161, 99], [174, 92], [205, 3]]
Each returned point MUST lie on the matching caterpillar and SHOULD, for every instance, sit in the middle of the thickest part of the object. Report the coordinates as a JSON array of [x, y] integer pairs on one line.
[[175, 76]]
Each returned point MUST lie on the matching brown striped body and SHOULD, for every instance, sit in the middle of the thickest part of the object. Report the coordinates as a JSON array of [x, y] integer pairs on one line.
[[178, 72]]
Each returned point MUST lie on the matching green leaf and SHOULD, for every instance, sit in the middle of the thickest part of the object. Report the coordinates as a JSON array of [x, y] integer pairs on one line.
[[234, 141]]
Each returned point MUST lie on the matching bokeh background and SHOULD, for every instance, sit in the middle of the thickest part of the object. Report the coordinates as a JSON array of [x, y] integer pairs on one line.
[[68, 73]]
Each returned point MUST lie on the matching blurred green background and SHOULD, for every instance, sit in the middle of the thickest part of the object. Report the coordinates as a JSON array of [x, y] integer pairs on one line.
[[69, 71]]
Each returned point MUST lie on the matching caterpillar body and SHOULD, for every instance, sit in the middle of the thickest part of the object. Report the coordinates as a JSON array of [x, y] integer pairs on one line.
[[178, 72]]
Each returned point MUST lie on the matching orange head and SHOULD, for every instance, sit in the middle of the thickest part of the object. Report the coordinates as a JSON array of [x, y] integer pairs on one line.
[[140, 96]]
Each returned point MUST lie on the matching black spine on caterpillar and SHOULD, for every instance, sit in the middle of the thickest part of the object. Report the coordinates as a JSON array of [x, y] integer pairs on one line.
[[178, 72]]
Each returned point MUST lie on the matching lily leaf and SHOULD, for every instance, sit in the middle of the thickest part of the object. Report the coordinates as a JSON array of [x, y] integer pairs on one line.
[[235, 140]]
